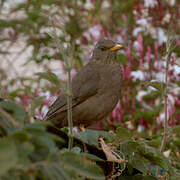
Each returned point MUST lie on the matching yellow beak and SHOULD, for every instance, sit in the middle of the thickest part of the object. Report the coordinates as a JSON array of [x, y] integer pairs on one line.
[[116, 47]]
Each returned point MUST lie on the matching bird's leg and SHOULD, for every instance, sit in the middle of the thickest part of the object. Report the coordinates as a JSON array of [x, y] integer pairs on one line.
[[82, 128]]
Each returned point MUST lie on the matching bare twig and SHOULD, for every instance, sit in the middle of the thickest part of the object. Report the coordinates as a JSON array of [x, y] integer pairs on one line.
[[67, 54], [169, 48], [69, 103], [170, 45]]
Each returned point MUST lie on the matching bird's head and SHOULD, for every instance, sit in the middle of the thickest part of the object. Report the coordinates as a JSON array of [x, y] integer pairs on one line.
[[105, 51]]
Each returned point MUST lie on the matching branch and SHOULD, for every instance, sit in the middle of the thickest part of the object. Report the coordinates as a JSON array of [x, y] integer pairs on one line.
[[67, 54], [169, 48], [170, 45]]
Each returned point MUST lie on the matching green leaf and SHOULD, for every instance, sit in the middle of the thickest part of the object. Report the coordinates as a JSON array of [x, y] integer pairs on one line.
[[52, 34], [142, 157], [16, 110], [51, 77], [34, 104], [123, 134], [53, 171], [91, 157], [152, 95], [91, 136], [20, 136], [122, 59], [82, 166], [157, 85], [8, 155], [137, 177], [138, 163], [154, 142], [176, 129], [148, 115], [176, 176], [23, 151], [155, 157]]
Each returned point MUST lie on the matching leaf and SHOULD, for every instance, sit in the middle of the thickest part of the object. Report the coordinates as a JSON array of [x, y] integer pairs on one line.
[[23, 151], [8, 155], [53, 171], [91, 136], [152, 95], [34, 104], [16, 110], [52, 34], [123, 134], [176, 129], [51, 77], [91, 157], [140, 155], [155, 157], [175, 176], [138, 163], [154, 142], [148, 115], [177, 142], [122, 59], [137, 177], [158, 85], [20, 136], [82, 166]]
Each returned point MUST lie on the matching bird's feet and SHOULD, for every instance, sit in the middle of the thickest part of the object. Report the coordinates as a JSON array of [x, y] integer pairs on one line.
[[82, 128]]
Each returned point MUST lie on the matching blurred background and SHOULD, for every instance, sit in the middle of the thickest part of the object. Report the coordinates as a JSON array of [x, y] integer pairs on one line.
[[143, 26]]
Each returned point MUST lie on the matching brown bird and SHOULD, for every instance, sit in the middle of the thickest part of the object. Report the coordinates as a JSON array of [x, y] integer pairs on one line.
[[95, 89]]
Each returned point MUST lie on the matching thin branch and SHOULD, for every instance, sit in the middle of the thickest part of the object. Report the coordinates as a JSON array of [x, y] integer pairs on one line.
[[170, 45], [69, 113], [169, 48], [67, 57]]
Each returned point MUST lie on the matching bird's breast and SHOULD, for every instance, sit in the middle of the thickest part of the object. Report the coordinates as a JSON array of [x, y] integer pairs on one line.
[[110, 78]]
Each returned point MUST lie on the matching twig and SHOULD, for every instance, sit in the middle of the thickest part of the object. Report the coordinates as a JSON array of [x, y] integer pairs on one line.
[[69, 113], [67, 57], [169, 48]]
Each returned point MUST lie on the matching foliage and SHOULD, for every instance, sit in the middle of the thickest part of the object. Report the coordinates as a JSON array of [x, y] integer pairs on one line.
[[30, 151]]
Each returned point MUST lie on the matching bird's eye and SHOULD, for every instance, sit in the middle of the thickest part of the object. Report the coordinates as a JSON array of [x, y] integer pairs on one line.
[[103, 48]]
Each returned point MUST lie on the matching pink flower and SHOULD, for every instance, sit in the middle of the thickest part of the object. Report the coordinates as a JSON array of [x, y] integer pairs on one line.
[[140, 49], [126, 72], [148, 55], [156, 50], [128, 53]]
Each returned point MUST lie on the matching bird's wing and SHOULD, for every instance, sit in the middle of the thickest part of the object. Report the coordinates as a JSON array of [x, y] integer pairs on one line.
[[84, 85]]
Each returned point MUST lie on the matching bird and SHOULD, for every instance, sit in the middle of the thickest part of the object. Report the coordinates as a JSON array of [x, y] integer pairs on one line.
[[96, 89]]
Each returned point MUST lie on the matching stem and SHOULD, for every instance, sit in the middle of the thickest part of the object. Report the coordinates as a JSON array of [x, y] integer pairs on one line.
[[169, 48], [67, 57], [69, 110], [163, 143]]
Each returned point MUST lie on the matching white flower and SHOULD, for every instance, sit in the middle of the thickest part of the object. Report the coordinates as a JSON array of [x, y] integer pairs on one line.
[[161, 36], [141, 94], [171, 2], [138, 75], [140, 128], [142, 22], [137, 30], [166, 18], [150, 3], [105, 4]]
